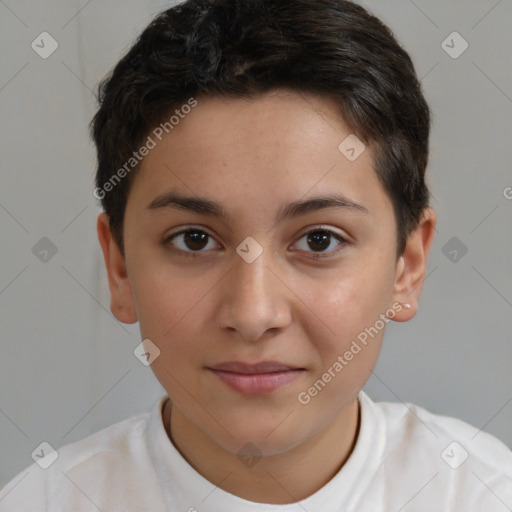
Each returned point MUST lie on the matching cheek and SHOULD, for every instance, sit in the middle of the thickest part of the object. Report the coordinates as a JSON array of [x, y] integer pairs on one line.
[[166, 300], [349, 303], [170, 309], [173, 311], [348, 350], [351, 327]]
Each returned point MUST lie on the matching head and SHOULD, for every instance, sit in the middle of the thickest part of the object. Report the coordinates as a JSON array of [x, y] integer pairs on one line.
[[217, 123]]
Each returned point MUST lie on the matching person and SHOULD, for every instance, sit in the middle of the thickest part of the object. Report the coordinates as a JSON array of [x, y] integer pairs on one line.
[[261, 166]]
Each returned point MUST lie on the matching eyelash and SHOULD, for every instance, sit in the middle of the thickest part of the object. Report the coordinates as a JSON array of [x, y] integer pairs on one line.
[[315, 257]]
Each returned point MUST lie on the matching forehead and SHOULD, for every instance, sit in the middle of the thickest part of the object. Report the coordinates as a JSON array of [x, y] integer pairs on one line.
[[267, 150]]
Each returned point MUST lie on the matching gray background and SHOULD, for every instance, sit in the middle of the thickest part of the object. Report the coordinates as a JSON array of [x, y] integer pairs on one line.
[[67, 367]]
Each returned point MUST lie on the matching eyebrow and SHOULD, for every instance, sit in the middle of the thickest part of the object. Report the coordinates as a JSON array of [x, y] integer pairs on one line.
[[206, 206]]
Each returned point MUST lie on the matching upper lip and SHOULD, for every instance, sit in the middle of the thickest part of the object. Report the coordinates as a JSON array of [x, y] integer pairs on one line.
[[263, 367]]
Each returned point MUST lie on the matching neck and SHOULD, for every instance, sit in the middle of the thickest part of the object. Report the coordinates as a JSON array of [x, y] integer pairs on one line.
[[284, 478]]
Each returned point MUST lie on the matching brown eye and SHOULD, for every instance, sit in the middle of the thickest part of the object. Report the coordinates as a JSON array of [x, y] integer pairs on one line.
[[189, 241], [319, 241], [195, 240]]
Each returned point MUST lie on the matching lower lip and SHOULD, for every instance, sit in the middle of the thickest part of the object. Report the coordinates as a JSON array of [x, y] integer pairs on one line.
[[256, 384]]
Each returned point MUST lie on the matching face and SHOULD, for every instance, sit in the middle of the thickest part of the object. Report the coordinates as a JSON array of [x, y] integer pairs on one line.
[[261, 282]]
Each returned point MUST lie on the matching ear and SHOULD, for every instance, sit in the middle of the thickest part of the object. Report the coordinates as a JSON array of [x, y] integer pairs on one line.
[[412, 266], [122, 304]]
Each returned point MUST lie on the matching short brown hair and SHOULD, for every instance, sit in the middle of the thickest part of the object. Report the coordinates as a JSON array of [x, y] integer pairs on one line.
[[242, 48]]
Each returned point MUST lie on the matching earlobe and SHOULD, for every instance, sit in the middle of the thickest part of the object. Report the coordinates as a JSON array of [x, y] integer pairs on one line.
[[412, 266], [122, 304]]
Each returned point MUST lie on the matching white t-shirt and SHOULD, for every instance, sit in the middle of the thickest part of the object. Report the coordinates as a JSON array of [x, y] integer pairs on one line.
[[405, 459]]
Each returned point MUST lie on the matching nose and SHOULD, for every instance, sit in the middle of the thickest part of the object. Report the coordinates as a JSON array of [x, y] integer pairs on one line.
[[254, 300]]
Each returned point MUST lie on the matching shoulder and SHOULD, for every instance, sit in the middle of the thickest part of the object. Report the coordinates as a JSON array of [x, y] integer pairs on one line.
[[73, 471], [411, 423], [451, 457]]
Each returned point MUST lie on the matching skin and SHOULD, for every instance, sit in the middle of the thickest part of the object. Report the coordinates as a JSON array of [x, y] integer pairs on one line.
[[252, 156]]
